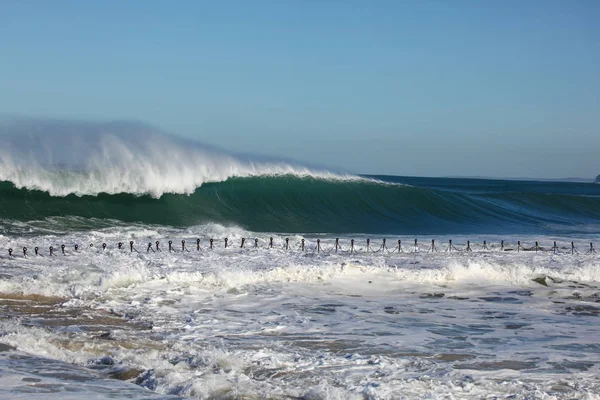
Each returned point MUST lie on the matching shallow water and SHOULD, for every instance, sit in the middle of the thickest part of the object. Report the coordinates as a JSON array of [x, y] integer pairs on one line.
[[273, 323]]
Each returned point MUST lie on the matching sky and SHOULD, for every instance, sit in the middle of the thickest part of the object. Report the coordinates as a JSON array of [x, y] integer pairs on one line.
[[422, 88]]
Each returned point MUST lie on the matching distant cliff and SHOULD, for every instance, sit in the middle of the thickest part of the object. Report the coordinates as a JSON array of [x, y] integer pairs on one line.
[[597, 179]]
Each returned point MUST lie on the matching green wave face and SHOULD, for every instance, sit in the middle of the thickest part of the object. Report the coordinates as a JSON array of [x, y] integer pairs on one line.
[[313, 205]]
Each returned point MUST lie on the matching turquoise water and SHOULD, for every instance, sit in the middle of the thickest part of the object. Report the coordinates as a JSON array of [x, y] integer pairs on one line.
[[378, 204]]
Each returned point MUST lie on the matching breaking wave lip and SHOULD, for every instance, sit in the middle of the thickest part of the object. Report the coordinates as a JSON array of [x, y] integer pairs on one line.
[[85, 158], [157, 183]]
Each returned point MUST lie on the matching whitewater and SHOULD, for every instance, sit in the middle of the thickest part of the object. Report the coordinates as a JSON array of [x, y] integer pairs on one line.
[[261, 322], [63, 158]]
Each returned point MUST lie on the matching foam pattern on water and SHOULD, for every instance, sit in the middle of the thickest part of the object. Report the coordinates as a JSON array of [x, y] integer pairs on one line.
[[269, 323]]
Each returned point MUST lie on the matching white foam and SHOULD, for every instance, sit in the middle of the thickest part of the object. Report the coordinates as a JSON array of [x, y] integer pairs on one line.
[[503, 269], [234, 267], [229, 323]]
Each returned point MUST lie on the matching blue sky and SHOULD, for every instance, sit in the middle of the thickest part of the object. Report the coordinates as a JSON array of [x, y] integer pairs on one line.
[[430, 88]]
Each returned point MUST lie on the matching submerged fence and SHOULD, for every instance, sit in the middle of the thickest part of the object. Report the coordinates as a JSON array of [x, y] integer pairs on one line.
[[320, 247]]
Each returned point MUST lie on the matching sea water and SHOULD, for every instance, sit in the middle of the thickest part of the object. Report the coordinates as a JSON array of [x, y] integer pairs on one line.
[[516, 317], [276, 323]]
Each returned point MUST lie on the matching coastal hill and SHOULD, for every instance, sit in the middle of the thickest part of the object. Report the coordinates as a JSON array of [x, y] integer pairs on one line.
[[597, 179]]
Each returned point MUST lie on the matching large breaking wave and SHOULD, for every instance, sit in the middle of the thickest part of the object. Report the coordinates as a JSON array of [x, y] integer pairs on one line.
[[132, 173]]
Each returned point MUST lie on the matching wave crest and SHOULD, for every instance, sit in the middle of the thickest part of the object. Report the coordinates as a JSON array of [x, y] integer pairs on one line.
[[85, 158]]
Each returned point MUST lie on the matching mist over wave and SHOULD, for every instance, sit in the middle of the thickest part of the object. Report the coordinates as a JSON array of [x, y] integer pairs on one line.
[[88, 158]]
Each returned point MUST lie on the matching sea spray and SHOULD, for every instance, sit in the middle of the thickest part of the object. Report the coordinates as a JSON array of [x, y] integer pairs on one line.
[[87, 158]]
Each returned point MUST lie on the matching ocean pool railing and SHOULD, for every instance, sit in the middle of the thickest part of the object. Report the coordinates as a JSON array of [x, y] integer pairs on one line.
[[336, 247]]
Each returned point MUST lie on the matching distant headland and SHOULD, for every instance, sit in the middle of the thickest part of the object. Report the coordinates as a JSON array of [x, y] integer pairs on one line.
[[597, 179]]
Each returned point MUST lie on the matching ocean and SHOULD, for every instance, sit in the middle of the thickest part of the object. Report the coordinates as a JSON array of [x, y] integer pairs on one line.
[[306, 301]]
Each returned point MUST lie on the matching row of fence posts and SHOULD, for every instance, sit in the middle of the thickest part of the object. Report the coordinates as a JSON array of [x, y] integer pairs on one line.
[[535, 248], [155, 247]]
